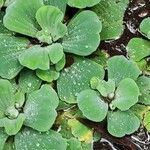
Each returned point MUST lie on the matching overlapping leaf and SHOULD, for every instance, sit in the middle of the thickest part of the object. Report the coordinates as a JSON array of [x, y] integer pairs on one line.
[[111, 13], [30, 139], [40, 108], [120, 68], [121, 123], [10, 49], [20, 17], [83, 34], [89, 99], [77, 78]]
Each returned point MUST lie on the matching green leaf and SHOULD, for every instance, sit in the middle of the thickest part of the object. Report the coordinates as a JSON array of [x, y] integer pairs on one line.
[[6, 96], [10, 48], [12, 126], [121, 123], [28, 81], [89, 100], [120, 68], [80, 131], [50, 19], [77, 78], [80, 40], [61, 64], [106, 89], [48, 75], [57, 3], [111, 13], [83, 3], [20, 17], [138, 49], [145, 27], [74, 144], [29, 139], [3, 138], [143, 83], [40, 108], [34, 56], [56, 53], [126, 95]]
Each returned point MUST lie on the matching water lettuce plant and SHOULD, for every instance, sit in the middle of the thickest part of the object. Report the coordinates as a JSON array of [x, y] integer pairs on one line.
[[54, 74], [45, 23]]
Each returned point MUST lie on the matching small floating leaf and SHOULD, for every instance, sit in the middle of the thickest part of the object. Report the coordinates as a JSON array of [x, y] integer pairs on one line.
[[143, 83], [145, 27], [28, 81], [126, 95], [48, 75], [138, 49], [111, 13], [80, 40], [29, 139], [120, 68], [40, 108], [89, 100], [121, 123], [12, 126]]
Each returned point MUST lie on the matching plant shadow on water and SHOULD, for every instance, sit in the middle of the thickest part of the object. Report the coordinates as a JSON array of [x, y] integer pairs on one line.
[[135, 13]]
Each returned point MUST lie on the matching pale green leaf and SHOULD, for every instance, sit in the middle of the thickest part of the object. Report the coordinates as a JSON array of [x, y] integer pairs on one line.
[[28, 81], [77, 78], [145, 27], [61, 64], [10, 49], [20, 16], [40, 108], [120, 68], [121, 123], [6, 95], [126, 95], [82, 3], [83, 34], [33, 58], [56, 53], [48, 75], [106, 89], [138, 49], [29, 139], [91, 105], [50, 19], [12, 126], [143, 83], [111, 13]]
